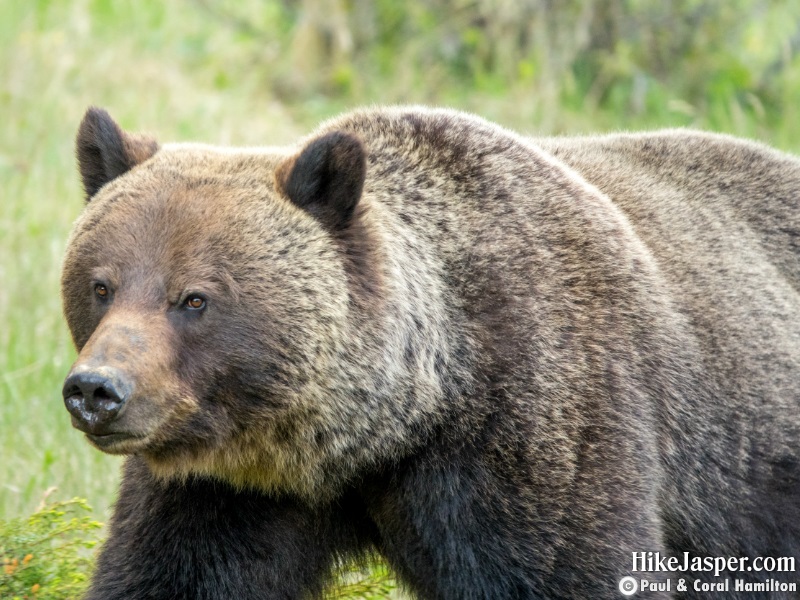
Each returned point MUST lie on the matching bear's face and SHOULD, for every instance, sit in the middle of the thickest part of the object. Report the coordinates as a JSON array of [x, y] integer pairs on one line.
[[206, 293]]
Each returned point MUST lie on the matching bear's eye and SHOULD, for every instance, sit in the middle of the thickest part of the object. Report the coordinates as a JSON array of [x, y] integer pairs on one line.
[[101, 291], [195, 302]]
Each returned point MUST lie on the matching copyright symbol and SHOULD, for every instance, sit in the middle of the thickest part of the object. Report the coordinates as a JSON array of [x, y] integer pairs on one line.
[[628, 586]]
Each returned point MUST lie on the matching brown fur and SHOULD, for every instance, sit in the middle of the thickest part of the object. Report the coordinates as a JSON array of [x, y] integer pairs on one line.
[[517, 361]]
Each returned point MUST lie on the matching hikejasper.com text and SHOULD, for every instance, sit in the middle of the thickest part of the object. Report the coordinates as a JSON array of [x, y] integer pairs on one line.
[[654, 562]]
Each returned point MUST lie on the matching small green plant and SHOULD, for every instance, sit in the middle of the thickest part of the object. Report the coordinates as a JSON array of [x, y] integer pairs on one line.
[[46, 556], [357, 582]]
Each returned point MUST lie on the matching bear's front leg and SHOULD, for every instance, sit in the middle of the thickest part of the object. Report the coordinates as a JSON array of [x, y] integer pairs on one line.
[[203, 540]]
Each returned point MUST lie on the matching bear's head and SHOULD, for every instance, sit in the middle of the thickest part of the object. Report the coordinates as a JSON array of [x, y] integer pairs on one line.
[[208, 292]]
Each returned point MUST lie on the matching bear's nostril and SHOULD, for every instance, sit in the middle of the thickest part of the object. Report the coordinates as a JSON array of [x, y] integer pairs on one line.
[[71, 390], [101, 394]]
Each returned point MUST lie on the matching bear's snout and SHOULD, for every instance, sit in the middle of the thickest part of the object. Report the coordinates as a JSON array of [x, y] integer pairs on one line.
[[96, 397]]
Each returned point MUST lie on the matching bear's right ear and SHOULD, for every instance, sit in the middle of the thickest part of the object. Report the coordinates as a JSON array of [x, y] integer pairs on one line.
[[326, 178], [105, 151]]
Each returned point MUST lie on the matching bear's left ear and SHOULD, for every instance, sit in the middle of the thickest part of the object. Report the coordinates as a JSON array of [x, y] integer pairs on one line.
[[326, 178], [105, 151]]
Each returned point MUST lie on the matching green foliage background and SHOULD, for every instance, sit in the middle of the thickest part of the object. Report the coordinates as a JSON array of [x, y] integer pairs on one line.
[[260, 72]]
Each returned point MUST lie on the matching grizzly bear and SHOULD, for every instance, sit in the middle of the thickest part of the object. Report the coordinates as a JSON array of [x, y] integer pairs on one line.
[[514, 368]]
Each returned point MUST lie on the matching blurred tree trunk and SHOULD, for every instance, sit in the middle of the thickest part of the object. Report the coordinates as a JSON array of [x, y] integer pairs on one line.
[[322, 40]]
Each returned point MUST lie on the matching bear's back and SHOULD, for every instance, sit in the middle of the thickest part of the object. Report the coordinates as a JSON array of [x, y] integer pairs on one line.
[[693, 182]]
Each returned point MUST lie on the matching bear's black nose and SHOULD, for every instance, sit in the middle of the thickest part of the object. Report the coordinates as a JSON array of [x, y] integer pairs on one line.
[[95, 398]]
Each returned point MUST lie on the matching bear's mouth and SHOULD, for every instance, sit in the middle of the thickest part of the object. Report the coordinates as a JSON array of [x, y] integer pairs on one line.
[[115, 443]]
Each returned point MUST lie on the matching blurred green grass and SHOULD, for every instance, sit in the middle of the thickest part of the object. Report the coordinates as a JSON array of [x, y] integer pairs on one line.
[[267, 71]]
